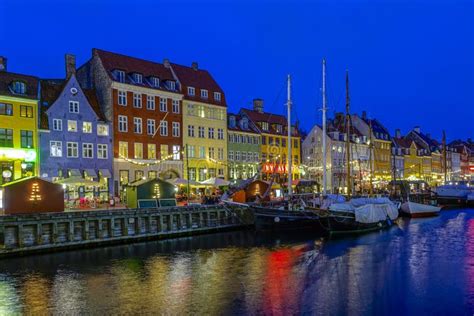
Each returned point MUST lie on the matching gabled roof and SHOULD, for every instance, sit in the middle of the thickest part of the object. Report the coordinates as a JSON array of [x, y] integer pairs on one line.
[[199, 79], [113, 61], [271, 119], [6, 79], [432, 144], [378, 129], [403, 142]]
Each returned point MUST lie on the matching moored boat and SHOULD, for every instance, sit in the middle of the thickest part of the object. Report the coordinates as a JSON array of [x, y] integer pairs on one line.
[[413, 209], [453, 194], [281, 218]]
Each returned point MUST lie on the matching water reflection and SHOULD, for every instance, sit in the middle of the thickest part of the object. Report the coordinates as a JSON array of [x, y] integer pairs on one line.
[[420, 267]]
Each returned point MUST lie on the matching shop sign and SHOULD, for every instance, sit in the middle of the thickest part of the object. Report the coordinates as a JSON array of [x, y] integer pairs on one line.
[[28, 155]]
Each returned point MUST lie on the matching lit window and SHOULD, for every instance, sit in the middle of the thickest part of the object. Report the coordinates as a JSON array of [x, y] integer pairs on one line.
[[102, 130], [123, 149], [204, 94], [71, 126], [176, 152], [151, 151], [137, 100], [57, 125], [73, 107], [6, 137], [191, 91], [202, 152], [137, 125], [150, 102], [122, 98], [217, 96], [176, 129], [26, 139], [164, 151], [87, 150], [175, 106], [123, 123], [150, 127], [72, 150], [26, 111], [55, 148], [138, 150], [87, 127], [102, 151], [191, 151]]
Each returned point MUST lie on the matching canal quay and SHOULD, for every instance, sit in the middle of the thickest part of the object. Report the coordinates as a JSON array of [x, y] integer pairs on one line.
[[417, 267]]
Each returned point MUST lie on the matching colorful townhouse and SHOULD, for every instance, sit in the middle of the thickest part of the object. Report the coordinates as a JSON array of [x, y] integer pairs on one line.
[[75, 139], [273, 129], [243, 147], [431, 151], [18, 125], [143, 101], [204, 123], [380, 148], [465, 153]]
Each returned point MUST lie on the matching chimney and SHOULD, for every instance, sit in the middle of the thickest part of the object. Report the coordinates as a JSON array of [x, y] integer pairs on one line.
[[417, 129], [3, 63], [194, 65], [70, 65], [258, 105], [364, 115], [398, 134], [166, 63]]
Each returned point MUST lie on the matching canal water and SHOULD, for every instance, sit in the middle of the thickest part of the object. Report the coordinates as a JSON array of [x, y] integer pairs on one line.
[[419, 267]]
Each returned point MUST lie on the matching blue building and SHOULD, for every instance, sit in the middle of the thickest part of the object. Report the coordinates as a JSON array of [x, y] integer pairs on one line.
[[75, 139]]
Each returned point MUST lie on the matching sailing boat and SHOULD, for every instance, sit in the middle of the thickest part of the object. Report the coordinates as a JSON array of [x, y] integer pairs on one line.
[[356, 215], [290, 215]]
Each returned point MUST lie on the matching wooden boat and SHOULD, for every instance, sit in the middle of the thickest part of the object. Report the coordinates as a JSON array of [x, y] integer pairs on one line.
[[281, 218], [413, 209]]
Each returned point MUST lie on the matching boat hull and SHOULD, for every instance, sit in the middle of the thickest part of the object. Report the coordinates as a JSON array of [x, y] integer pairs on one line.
[[282, 220], [345, 224], [412, 209]]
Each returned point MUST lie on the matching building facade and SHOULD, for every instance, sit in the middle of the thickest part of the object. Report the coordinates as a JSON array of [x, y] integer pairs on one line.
[[142, 100], [273, 129], [18, 125], [312, 152], [75, 139], [243, 148]]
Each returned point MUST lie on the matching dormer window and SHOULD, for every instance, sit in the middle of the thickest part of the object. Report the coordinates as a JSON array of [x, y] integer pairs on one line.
[[245, 123], [120, 75], [171, 85], [204, 93], [264, 126], [138, 78], [19, 87], [155, 82], [232, 121], [217, 96], [191, 91], [279, 128]]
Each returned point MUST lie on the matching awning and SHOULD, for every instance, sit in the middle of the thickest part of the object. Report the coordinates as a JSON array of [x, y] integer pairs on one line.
[[105, 173], [90, 173], [75, 173], [78, 181]]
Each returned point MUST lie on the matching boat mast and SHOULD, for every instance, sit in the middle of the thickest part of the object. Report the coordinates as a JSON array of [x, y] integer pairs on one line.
[[324, 127], [348, 129], [445, 158], [371, 162], [290, 161]]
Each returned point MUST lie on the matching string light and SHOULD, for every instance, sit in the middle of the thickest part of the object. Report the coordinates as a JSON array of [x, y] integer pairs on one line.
[[147, 164]]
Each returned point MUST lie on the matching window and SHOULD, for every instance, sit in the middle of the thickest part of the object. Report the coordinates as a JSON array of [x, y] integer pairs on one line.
[[264, 140], [211, 152], [123, 123], [220, 133], [279, 128], [121, 76], [296, 143], [57, 125], [122, 98], [155, 82], [190, 130], [202, 174], [265, 126], [72, 150], [73, 107], [211, 132], [151, 151], [176, 128], [137, 100], [150, 102], [204, 94], [191, 91], [19, 87], [150, 127], [220, 153], [87, 150], [164, 151], [255, 157], [26, 139], [138, 78], [87, 127], [152, 174], [192, 174], [176, 152], [26, 111], [237, 156], [123, 149], [139, 175], [6, 137], [191, 151], [175, 106], [202, 152], [164, 128], [137, 125], [124, 175], [220, 172], [244, 156], [71, 126], [6, 109], [231, 155], [217, 96], [102, 130], [283, 142], [55, 149], [201, 132], [138, 150], [102, 151], [172, 85], [163, 105]]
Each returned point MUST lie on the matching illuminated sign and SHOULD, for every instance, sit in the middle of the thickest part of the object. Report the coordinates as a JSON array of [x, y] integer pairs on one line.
[[471, 168], [20, 154], [274, 168]]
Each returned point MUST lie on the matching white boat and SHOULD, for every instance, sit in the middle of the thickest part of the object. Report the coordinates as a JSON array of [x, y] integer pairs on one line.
[[453, 192], [413, 209]]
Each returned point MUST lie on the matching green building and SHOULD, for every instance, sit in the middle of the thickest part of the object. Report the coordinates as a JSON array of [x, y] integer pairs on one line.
[[243, 147]]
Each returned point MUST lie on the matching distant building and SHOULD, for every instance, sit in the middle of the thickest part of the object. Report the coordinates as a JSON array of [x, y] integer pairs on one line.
[[18, 125], [75, 138], [313, 156]]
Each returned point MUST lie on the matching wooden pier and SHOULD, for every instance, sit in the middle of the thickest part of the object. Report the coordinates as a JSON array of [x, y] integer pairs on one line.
[[21, 234]]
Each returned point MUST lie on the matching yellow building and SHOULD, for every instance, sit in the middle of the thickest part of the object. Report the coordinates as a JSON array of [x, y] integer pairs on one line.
[[18, 125], [204, 124], [274, 144], [413, 163]]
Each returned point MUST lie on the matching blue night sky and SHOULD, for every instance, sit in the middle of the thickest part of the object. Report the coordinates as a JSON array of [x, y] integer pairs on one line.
[[410, 62]]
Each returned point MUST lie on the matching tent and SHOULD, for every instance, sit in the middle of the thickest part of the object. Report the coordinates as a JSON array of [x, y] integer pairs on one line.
[[216, 182], [184, 182], [149, 191]]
